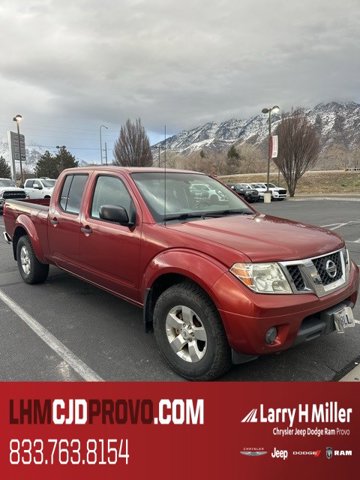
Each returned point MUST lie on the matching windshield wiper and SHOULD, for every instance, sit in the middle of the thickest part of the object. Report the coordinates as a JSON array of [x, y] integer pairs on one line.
[[184, 216], [203, 215], [223, 213]]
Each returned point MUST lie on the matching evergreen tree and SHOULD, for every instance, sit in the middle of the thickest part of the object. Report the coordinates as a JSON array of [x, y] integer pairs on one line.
[[232, 160], [52, 165], [46, 166], [64, 159], [5, 171]]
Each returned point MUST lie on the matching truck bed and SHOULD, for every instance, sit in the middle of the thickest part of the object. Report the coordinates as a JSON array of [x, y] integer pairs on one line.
[[27, 205]]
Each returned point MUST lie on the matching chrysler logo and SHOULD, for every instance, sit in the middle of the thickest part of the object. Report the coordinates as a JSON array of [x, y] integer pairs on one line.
[[253, 453], [331, 269]]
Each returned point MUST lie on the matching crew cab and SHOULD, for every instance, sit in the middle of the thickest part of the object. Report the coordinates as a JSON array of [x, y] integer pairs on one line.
[[39, 187], [218, 282], [8, 189]]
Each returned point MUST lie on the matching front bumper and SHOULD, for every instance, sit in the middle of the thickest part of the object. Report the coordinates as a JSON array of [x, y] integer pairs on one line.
[[247, 316]]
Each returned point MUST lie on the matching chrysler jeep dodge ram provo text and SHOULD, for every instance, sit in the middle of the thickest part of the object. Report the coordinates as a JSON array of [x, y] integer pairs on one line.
[[218, 281]]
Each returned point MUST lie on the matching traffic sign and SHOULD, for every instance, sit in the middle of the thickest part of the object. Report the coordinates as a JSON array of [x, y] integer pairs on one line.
[[15, 147]]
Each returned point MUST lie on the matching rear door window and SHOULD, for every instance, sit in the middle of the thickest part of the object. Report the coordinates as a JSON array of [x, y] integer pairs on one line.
[[72, 193]]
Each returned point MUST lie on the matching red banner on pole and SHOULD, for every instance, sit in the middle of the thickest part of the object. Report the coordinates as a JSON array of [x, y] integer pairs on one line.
[[274, 146]]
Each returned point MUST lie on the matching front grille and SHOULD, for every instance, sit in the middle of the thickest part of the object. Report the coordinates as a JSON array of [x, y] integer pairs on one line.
[[282, 191], [329, 268], [320, 275], [13, 194], [296, 276]]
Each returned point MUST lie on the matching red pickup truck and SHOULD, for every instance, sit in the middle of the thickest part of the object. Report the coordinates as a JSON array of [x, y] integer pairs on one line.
[[218, 282]]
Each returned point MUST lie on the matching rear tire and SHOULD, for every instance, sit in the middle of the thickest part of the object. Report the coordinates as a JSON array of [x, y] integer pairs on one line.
[[190, 334], [31, 270]]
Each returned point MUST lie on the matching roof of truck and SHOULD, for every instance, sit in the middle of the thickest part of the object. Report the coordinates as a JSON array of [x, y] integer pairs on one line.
[[115, 168]]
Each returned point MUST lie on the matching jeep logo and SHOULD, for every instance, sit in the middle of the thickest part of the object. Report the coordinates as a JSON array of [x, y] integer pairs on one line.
[[283, 454]]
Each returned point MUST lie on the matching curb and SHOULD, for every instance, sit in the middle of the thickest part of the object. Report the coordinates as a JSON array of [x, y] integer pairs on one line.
[[354, 198]]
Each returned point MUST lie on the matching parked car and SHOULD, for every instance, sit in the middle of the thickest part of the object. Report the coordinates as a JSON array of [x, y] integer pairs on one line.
[[39, 187], [244, 189], [8, 189], [277, 193], [217, 284]]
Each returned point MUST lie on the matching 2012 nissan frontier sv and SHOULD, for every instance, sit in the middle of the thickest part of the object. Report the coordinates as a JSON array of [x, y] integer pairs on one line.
[[218, 281]]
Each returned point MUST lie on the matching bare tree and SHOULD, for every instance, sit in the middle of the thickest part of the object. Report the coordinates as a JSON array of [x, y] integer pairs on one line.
[[132, 148], [299, 147]]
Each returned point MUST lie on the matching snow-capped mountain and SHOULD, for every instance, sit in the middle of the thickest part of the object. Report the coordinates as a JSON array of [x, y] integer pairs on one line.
[[33, 154], [337, 123]]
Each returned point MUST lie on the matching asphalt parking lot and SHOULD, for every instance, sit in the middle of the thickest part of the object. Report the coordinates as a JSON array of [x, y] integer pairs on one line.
[[91, 335]]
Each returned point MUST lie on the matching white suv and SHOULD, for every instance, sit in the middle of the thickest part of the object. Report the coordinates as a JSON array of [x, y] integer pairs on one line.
[[39, 187], [277, 193]]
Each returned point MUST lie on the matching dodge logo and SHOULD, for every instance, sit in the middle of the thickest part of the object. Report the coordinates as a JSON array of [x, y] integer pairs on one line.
[[331, 269]]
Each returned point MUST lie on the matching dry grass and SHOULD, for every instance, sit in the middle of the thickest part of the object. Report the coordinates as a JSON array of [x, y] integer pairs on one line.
[[321, 182]]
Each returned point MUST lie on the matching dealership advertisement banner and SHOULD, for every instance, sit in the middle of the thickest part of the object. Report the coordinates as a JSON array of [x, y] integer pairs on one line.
[[179, 430], [274, 146]]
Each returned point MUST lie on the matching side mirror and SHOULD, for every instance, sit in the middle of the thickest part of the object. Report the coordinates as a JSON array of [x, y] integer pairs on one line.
[[113, 213], [38, 187]]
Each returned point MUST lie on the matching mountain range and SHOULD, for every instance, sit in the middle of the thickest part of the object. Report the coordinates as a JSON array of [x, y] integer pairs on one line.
[[336, 123]]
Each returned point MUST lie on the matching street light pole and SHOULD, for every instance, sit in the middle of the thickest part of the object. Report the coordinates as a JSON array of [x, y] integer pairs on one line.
[[101, 155], [18, 119], [274, 109], [106, 153]]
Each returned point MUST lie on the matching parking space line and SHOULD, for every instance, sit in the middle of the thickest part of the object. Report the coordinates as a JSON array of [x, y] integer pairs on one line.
[[78, 365], [353, 376], [335, 226]]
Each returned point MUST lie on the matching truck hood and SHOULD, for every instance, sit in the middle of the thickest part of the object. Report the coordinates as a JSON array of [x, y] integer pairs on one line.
[[262, 238]]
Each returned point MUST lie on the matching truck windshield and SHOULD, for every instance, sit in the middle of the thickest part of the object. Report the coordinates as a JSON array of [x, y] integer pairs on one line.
[[185, 196], [6, 182]]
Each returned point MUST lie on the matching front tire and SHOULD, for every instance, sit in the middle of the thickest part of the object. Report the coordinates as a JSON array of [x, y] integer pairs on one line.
[[31, 270], [189, 333]]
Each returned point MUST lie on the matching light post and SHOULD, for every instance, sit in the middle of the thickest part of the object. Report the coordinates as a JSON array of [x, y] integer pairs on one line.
[[18, 119], [101, 155], [274, 109]]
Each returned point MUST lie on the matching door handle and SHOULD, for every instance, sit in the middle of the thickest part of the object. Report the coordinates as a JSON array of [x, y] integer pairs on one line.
[[87, 230], [54, 221]]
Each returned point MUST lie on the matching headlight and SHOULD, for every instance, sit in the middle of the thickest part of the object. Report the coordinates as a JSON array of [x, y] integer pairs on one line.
[[262, 277]]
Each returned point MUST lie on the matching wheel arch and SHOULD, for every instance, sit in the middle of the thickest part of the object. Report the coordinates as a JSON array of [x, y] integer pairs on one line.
[[26, 227], [175, 266]]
